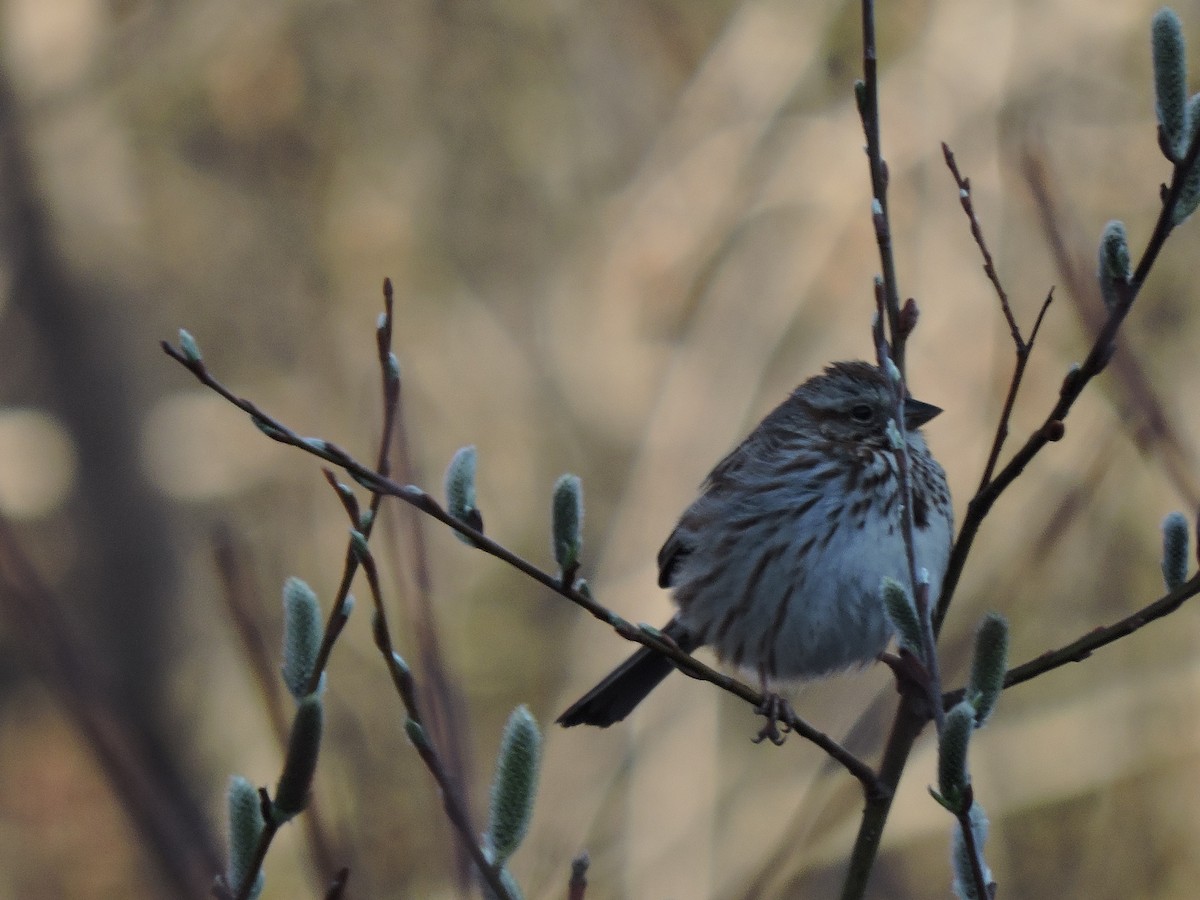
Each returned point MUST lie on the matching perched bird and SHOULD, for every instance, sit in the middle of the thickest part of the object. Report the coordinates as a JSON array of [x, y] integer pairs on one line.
[[777, 564]]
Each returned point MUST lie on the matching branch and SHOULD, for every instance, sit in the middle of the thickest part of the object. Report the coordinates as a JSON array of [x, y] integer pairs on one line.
[[390, 375], [402, 679], [1023, 347], [982, 889], [910, 720], [1084, 646], [1076, 380], [866, 93], [1154, 428], [578, 594], [577, 886], [906, 728], [931, 678], [989, 268], [362, 526]]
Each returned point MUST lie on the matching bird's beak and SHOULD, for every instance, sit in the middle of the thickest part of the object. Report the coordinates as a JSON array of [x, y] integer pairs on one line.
[[917, 413]]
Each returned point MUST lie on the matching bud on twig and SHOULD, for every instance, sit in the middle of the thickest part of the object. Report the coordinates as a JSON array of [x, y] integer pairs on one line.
[[909, 314], [416, 734], [358, 543], [304, 745], [1170, 81], [189, 347], [1054, 430], [400, 666], [460, 490], [1175, 550], [1189, 193], [902, 613], [567, 523], [953, 777], [860, 96], [268, 429], [651, 631], [245, 826], [515, 785], [1113, 269], [302, 631], [988, 666]]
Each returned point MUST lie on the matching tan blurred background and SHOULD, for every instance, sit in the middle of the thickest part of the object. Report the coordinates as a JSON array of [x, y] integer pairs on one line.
[[619, 233]]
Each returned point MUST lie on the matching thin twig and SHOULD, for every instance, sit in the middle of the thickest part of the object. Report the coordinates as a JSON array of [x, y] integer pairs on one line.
[[438, 717], [1155, 429], [918, 587], [363, 525], [1072, 386], [909, 720], [989, 267], [577, 885], [1085, 645], [1023, 351], [456, 810], [1022, 346], [441, 694], [390, 392], [982, 890], [906, 728], [867, 93]]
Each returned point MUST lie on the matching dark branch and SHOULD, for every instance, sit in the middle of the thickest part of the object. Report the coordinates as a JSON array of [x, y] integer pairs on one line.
[[867, 93], [419, 499], [989, 267], [1084, 646], [1072, 386]]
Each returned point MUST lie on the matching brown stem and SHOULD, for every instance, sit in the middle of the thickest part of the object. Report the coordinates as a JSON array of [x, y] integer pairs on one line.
[[868, 109], [1074, 383], [456, 810], [906, 728], [1083, 647], [982, 888]]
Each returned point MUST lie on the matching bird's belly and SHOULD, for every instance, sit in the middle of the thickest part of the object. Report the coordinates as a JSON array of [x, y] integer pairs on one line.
[[803, 604]]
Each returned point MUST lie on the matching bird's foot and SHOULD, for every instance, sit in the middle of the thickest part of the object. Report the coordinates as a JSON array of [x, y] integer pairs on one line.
[[777, 712]]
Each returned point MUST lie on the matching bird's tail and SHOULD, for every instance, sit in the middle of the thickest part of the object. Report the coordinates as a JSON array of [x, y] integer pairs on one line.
[[627, 685]]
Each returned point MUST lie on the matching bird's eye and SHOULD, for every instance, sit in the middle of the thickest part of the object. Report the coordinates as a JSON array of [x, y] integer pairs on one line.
[[861, 412]]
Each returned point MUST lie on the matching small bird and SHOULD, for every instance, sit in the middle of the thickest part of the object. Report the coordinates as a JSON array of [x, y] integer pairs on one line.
[[778, 563]]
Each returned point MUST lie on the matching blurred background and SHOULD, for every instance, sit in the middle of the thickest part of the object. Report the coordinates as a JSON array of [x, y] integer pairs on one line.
[[620, 232]]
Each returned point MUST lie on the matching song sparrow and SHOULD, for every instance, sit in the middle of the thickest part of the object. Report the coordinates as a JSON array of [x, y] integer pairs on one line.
[[778, 563]]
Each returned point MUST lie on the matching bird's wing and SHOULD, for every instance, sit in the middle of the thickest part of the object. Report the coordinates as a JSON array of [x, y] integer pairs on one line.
[[671, 557], [677, 547]]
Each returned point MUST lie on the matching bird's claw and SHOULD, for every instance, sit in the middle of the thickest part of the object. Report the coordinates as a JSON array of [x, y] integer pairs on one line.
[[777, 712]]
